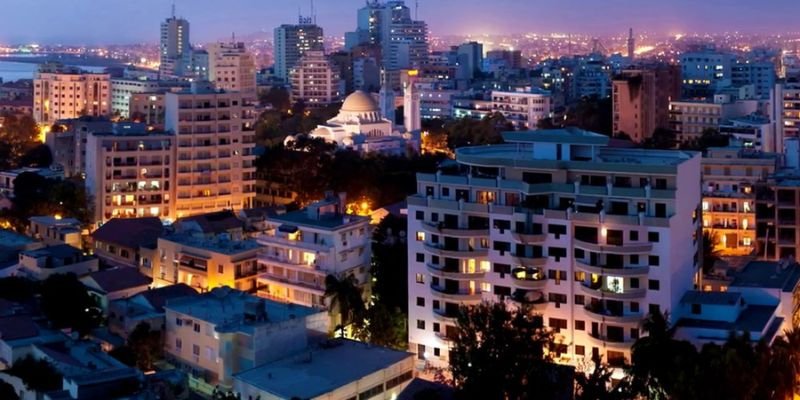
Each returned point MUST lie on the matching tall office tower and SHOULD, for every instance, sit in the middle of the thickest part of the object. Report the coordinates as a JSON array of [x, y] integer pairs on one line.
[[315, 80], [403, 40], [591, 237], [231, 67], [61, 92], [215, 138], [631, 46], [129, 172], [176, 51], [291, 42], [470, 59]]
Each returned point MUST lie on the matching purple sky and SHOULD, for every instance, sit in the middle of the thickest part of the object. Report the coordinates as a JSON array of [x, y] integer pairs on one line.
[[126, 21]]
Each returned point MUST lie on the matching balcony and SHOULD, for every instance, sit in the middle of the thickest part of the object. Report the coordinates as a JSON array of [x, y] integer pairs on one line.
[[617, 271], [603, 314], [294, 243], [464, 295], [604, 341], [444, 316], [439, 250], [526, 278], [628, 248], [533, 298], [312, 287], [529, 237], [270, 259], [599, 291], [440, 229], [249, 272], [529, 261], [453, 273]]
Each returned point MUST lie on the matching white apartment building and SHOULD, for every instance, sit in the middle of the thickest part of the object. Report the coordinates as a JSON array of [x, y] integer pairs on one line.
[[122, 90], [291, 42], [315, 80], [215, 134], [690, 118], [301, 248], [129, 172], [225, 331], [231, 67], [592, 237], [785, 112], [523, 108], [61, 92]]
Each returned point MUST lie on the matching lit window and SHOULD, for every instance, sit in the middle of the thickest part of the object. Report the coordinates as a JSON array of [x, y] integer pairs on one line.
[[420, 278], [486, 287], [746, 241], [614, 284], [420, 236], [705, 206]]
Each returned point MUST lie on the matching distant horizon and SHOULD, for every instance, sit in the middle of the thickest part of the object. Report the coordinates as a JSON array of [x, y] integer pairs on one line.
[[52, 22]]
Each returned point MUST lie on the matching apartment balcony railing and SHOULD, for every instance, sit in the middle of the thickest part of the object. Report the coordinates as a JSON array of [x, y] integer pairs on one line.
[[600, 291], [464, 295], [441, 229], [455, 253], [454, 273], [603, 314], [627, 248], [612, 269]]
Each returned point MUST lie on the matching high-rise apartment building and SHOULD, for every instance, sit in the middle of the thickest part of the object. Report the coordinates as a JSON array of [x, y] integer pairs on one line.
[[176, 50], [592, 237], [231, 67], [702, 72], [214, 134], [129, 172], [291, 42], [403, 40], [760, 74], [61, 92], [689, 119], [785, 112], [641, 97], [315, 80]]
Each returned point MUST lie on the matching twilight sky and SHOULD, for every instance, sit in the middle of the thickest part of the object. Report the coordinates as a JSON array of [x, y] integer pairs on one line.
[[126, 21]]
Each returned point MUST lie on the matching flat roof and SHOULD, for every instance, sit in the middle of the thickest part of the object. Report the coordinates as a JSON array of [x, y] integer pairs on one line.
[[565, 135], [331, 222], [12, 239], [224, 307], [322, 370], [768, 274], [57, 251], [754, 318], [217, 244], [52, 220], [711, 298]]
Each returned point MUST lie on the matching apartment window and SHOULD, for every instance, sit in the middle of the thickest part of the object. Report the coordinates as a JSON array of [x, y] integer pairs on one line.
[[653, 261], [634, 259], [197, 327], [614, 237], [634, 307], [421, 324], [420, 236], [502, 269], [420, 215], [661, 210], [557, 252], [220, 269], [420, 257], [653, 237], [653, 284], [421, 301], [502, 290], [178, 343], [634, 236], [558, 324], [195, 349], [580, 350], [436, 352], [445, 192], [437, 327], [634, 283], [580, 325], [557, 298], [420, 278], [697, 309], [579, 299], [178, 322], [429, 191], [634, 333], [434, 217], [557, 230], [580, 276], [654, 309]]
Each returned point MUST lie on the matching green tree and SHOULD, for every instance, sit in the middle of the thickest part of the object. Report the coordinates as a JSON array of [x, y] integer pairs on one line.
[[344, 298], [18, 135], [597, 385], [390, 262], [710, 252], [661, 139], [7, 392], [78, 313], [500, 353], [146, 345], [15, 288], [38, 375], [591, 114], [384, 327], [277, 97]]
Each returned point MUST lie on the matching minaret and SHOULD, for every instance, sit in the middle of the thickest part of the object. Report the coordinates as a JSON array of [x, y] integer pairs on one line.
[[631, 45], [411, 104]]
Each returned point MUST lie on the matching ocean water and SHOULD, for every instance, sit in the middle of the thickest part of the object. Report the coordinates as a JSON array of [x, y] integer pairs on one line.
[[12, 71]]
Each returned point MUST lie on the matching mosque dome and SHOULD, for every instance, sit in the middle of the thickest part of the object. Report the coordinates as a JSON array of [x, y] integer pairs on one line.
[[360, 102]]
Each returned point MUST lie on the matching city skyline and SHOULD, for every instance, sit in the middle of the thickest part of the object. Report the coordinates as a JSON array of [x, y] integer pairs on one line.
[[33, 21]]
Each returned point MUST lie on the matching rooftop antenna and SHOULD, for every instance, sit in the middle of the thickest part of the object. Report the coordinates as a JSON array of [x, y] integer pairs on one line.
[[416, 10], [313, 15], [173, 10]]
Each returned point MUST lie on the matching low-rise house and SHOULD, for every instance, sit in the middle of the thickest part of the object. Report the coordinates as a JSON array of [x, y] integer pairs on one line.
[[212, 224], [760, 301], [8, 177], [11, 244], [114, 284], [53, 230], [129, 242], [226, 331], [255, 219], [339, 370], [18, 335], [204, 262], [39, 264], [146, 307]]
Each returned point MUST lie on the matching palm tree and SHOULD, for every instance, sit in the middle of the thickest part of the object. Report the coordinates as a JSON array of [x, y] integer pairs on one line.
[[344, 296]]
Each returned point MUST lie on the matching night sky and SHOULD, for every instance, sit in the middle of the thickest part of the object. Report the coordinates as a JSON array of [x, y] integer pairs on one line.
[[127, 21]]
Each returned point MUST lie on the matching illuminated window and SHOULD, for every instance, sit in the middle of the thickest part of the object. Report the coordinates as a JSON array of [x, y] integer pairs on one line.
[[485, 266], [420, 278], [486, 287], [746, 241], [309, 258], [420, 236], [614, 284], [705, 206]]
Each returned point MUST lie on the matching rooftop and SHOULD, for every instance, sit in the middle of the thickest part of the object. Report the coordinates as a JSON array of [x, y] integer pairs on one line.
[[59, 251], [116, 279], [12, 239], [565, 135], [322, 370], [768, 274], [330, 222], [215, 222], [50, 220], [17, 327], [711, 298], [130, 232], [217, 244], [225, 308], [754, 318], [158, 298]]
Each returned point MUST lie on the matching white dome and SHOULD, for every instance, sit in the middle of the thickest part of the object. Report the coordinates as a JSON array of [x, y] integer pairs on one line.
[[359, 102]]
